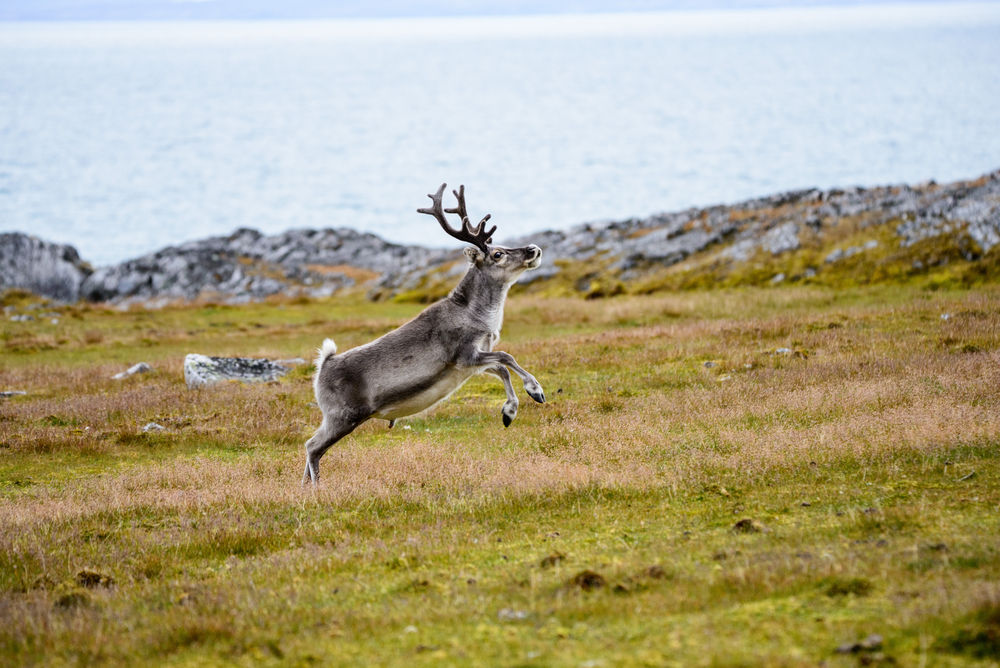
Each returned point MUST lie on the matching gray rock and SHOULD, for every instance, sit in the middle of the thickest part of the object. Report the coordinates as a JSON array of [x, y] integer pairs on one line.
[[153, 427], [742, 249], [841, 253], [248, 266], [12, 393], [184, 273], [202, 371], [781, 239], [46, 269], [141, 367], [870, 644]]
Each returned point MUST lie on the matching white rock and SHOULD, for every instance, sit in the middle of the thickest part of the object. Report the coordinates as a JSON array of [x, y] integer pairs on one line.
[[141, 367], [152, 426], [511, 615], [295, 361], [781, 239]]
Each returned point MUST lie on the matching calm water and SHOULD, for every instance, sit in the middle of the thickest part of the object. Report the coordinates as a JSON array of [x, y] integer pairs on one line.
[[123, 138]]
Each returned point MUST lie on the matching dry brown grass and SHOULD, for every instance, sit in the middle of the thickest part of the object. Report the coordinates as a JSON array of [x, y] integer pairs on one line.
[[854, 398], [876, 394]]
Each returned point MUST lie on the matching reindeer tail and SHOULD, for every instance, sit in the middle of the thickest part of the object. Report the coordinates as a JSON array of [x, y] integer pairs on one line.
[[329, 348]]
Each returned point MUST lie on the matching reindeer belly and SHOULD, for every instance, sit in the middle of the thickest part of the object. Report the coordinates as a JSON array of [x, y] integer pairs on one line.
[[423, 400]]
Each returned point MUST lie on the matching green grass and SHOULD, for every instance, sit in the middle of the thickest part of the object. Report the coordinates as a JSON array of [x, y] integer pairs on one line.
[[604, 528], [945, 262]]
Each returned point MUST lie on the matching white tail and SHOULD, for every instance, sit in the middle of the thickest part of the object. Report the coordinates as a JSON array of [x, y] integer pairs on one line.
[[328, 348]]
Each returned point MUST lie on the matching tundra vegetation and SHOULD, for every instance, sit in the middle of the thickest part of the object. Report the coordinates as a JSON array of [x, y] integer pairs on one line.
[[745, 476]]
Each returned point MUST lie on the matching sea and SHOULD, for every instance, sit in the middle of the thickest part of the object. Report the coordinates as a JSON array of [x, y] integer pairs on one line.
[[122, 138]]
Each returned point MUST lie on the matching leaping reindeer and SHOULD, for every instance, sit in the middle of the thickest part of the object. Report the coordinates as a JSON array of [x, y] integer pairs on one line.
[[421, 363]]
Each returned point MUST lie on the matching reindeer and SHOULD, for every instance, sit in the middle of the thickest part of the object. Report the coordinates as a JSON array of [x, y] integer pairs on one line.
[[423, 362]]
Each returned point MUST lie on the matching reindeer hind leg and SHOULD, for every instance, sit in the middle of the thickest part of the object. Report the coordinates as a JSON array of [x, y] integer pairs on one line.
[[328, 433]]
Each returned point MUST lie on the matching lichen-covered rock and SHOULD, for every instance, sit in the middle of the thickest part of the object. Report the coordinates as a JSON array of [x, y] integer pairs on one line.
[[46, 269], [202, 370]]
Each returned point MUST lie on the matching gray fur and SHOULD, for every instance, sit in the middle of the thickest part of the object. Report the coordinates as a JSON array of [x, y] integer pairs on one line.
[[423, 362]]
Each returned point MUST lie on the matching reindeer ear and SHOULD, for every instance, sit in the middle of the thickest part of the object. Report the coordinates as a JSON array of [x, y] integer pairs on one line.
[[475, 255]]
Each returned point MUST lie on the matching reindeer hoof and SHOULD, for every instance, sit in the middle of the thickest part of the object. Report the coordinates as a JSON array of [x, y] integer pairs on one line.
[[539, 397], [507, 420]]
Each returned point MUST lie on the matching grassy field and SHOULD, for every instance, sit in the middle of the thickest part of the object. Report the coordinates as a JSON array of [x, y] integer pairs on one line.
[[728, 478]]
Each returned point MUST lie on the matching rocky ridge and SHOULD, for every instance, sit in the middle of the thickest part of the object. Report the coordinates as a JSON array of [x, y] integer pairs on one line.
[[51, 270], [248, 265], [725, 237], [779, 223]]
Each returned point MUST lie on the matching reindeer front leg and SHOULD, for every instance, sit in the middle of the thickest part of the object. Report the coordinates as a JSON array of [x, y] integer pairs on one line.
[[509, 410], [478, 358]]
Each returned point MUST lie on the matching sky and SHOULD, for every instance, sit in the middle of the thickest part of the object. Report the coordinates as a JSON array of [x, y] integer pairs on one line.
[[102, 10]]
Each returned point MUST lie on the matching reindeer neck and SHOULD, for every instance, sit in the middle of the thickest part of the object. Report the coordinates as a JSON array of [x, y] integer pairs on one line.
[[481, 296]]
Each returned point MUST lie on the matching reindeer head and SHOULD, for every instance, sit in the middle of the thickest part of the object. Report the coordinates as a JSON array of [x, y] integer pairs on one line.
[[504, 265]]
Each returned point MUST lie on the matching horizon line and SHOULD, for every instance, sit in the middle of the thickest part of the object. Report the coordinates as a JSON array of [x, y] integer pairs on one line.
[[545, 10]]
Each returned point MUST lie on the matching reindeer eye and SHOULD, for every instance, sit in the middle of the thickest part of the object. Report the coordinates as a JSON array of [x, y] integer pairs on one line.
[[497, 255]]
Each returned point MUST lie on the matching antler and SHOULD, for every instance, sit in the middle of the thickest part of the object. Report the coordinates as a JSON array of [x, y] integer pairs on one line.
[[473, 235]]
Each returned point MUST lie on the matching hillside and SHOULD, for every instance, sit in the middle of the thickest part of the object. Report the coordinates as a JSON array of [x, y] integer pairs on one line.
[[929, 234]]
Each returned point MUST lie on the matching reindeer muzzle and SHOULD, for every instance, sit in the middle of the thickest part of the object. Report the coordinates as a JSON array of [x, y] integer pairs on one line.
[[534, 256]]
